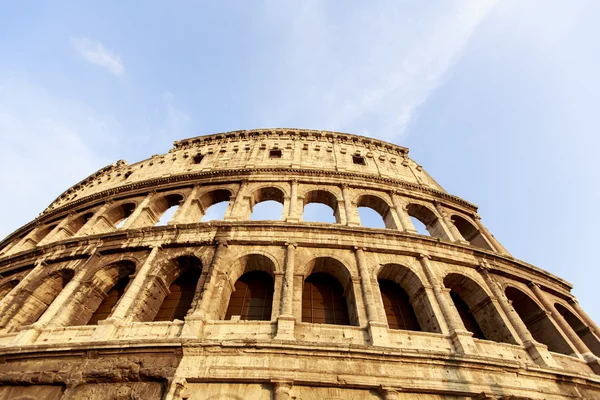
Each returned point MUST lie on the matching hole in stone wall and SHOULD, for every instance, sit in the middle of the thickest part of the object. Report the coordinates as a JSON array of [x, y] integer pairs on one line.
[[370, 218], [275, 153], [419, 226], [198, 158], [216, 212], [359, 160]]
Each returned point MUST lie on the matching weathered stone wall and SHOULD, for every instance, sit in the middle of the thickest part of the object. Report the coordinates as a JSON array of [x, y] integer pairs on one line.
[[54, 274]]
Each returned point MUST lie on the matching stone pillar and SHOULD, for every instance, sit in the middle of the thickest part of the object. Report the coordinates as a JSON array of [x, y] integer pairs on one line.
[[7, 302], [237, 206], [135, 220], [122, 311], [98, 223], [453, 231], [377, 329], [281, 390], [564, 326], [182, 214], [538, 352], [405, 223], [490, 238], [61, 231], [586, 318], [202, 310], [293, 213], [462, 340], [351, 213], [286, 320]]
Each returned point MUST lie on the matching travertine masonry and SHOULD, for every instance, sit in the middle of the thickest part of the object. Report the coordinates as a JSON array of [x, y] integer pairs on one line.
[[98, 301]]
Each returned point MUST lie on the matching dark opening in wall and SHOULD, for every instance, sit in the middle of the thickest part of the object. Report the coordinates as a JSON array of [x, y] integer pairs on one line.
[[360, 160], [275, 153], [198, 158]]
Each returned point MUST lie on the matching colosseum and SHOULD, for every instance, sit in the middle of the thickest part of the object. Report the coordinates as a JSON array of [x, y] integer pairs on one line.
[[104, 299]]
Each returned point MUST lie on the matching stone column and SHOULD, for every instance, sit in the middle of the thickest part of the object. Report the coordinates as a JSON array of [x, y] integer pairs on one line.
[[564, 326], [462, 340], [202, 310], [583, 315], [122, 312], [293, 213], [135, 220], [286, 320], [490, 238], [351, 214], [405, 222], [182, 214], [538, 352], [453, 231], [281, 390], [377, 329], [237, 205], [98, 220]]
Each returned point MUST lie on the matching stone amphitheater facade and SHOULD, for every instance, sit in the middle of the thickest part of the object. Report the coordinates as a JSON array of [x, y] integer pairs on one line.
[[100, 302]]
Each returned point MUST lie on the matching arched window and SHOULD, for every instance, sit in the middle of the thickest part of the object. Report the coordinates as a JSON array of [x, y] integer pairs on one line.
[[467, 318], [583, 331], [429, 220], [267, 204], [167, 207], [252, 298], [120, 214], [537, 321], [120, 274], [398, 310], [31, 241], [470, 233], [79, 222], [367, 204], [42, 296], [320, 206], [323, 301], [214, 205], [181, 292], [477, 310]]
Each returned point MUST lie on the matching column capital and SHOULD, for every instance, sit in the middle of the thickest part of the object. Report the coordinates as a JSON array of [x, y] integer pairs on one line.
[[223, 243], [357, 248], [484, 266], [573, 301], [291, 244], [532, 285], [424, 256]]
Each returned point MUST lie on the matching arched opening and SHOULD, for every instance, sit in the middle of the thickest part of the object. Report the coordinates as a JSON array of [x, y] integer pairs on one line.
[[396, 303], [250, 285], [320, 206], [7, 287], [79, 222], [477, 310], [267, 204], [182, 291], [38, 301], [119, 215], [214, 205], [537, 321], [411, 286], [429, 220], [470, 233], [323, 301], [31, 241], [368, 203], [583, 331], [252, 298], [167, 207], [120, 274]]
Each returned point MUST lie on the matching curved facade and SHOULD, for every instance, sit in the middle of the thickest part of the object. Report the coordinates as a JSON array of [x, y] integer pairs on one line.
[[105, 297]]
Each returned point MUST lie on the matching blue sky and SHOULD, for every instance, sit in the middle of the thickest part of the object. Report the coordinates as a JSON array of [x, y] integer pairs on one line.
[[498, 100]]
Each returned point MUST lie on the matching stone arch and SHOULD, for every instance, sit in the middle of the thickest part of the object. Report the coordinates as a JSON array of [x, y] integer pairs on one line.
[[246, 264], [39, 295], [428, 218], [31, 241], [326, 198], [476, 309], [537, 321], [412, 285], [212, 198], [379, 205], [469, 232], [78, 222], [340, 273], [99, 292], [6, 287], [162, 205], [119, 213], [581, 329], [266, 193]]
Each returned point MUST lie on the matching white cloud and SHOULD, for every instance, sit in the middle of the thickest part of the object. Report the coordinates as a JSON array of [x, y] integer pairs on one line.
[[96, 53], [368, 68]]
